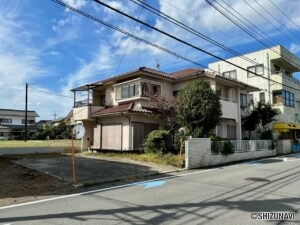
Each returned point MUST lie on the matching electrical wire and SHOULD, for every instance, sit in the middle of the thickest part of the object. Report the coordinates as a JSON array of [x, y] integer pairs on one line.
[[246, 31], [47, 92], [195, 32], [127, 33], [282, 26], [283, 13], [186, 43], [154, 45]]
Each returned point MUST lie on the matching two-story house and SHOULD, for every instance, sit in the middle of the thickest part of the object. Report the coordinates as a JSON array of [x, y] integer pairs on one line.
[[12, 122], [116, 112], [273, 68]]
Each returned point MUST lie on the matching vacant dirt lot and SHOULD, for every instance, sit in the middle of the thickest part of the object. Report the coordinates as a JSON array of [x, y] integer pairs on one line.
[[20, 184]]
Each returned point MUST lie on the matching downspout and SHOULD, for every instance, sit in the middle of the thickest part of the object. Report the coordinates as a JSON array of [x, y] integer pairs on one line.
[[130, 131], [269, 77]]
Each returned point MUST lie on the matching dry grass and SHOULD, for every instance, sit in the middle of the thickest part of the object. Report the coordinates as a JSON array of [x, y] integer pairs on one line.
[[36, 143], [162, 159]]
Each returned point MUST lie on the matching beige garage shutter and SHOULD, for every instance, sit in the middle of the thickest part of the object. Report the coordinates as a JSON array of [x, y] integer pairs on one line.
[[112, 137]]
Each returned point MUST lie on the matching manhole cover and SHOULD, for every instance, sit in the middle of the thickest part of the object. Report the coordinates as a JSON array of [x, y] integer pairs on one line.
[[258, 179]]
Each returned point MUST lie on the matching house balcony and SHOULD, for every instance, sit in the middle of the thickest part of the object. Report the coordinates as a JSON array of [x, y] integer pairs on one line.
[[283, 78], [84, 112], [229, 109]]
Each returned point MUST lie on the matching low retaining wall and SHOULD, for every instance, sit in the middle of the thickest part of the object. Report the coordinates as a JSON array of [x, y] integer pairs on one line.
[[198, 154], [283, 147]]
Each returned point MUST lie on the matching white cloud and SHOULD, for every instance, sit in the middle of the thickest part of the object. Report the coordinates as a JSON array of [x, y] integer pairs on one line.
[[75, 3], [91, 71]]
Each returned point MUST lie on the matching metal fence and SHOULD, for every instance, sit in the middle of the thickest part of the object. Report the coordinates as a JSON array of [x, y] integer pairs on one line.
[[218, 147]]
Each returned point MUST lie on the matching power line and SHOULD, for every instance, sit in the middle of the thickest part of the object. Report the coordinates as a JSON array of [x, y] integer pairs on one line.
[[239, 25], [157, 46], [195, 32], [186, 43], [282, 25], [246, 31], [283, 13], [189, 29], [127, 33], [251, 25], [47, 92], [123, 55]]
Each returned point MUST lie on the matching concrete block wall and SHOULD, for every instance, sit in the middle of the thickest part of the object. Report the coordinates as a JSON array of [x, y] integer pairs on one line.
[[198, 154], [283, 147]]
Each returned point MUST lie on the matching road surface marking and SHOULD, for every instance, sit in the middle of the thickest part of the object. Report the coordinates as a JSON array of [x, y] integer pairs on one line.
[[152, 184], [102, 190]]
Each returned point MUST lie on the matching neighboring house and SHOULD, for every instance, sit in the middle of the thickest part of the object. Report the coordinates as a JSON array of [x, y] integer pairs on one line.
[[272, 64], [68, 120], [116, 113], [12, 122]]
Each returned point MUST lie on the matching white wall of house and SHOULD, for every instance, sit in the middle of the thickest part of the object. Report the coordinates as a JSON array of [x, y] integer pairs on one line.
[[269, 58], [15, 120]]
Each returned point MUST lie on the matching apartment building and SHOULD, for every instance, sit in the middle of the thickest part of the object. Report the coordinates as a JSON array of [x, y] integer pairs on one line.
[[116, 112], [271, 70], [12, 122]]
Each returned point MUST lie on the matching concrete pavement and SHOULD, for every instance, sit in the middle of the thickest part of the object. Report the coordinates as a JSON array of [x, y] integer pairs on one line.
[[224, 195], [90, 171]]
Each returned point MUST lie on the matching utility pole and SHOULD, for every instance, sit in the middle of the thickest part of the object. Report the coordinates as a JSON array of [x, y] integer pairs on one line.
[[26, 101]]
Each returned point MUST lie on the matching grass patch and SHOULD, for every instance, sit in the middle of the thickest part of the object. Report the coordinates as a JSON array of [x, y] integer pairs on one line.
[[36, 143], [162, 159]]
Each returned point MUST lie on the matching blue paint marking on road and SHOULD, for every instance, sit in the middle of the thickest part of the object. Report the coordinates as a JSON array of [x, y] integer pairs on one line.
[[153, 184]]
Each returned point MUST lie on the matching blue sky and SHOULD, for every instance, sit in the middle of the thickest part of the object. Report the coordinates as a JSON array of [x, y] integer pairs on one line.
[[54, 49]]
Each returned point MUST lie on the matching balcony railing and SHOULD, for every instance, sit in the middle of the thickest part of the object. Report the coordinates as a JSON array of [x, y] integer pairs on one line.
[[85, 112]]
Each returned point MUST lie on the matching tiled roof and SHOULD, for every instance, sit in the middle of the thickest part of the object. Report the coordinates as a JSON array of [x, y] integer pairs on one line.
[[186, 72], [127, 107], [175, 76]]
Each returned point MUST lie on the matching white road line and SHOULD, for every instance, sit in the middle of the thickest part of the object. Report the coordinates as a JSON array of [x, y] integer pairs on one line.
[[101, 190]]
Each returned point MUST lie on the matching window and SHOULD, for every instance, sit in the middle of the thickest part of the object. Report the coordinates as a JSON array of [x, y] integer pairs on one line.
[[255, 70], [231, 132], [251, 101], [150, 89], [243, 100], [102, 100], [28, 121], [230, 74], [277, 97], [277, 68], [262, 97], [5, 120], [284, 97], [127, 91]]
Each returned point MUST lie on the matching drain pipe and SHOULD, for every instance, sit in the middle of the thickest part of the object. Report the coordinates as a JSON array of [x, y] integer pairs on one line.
[[130, 131]]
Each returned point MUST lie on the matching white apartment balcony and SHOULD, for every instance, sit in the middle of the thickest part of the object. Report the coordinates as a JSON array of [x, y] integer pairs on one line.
[[229, 109], [283, 78], [286, 59], [85, 112]]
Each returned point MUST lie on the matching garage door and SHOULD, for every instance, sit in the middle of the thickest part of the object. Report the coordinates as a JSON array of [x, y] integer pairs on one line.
[[112, 137]]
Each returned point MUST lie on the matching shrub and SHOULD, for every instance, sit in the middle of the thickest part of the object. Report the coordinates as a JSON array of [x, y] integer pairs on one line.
[[228, 148], [157, 141], [267, 135]]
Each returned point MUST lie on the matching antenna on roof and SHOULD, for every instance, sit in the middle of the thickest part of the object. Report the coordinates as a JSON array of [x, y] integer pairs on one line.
[[157, 64]]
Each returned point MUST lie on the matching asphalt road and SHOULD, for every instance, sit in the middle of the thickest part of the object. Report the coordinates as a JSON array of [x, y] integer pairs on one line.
[[224, 195]]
